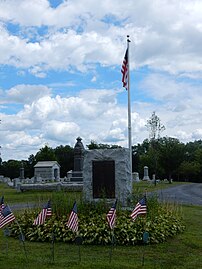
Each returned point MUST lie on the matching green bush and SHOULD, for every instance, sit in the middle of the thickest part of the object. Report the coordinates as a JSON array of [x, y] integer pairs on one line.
[[161, 222]]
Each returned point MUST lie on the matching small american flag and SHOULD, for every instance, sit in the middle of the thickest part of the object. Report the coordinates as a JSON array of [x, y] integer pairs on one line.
[[124, 70], [73, 219], [46, 212], [6, 216], [111, 216], [2, 203], [140, 208]]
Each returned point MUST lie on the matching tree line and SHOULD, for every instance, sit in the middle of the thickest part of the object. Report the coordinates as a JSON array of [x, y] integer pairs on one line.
[[166, 157]]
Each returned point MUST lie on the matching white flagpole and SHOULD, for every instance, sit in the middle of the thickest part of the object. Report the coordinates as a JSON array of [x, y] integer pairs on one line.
[[129, 108]]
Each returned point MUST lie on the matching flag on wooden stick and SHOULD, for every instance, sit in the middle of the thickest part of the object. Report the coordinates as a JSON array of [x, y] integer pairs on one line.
[[73, 219], [46, 212], [111, 216], [140, 208], [6, 216]]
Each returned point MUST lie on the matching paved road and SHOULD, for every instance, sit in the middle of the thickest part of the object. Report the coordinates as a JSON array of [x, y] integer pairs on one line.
[[184, 194]]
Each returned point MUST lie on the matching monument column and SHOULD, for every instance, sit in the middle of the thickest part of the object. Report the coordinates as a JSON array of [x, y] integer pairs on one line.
[[78, 158], [146, 173], [22, 172]]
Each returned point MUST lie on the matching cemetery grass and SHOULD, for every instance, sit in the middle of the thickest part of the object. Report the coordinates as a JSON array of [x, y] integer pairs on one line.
[[181, 252], [35, 196], [147, 186]]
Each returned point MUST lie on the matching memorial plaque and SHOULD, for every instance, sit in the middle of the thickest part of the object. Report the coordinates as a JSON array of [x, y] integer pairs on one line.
[[103, 179]]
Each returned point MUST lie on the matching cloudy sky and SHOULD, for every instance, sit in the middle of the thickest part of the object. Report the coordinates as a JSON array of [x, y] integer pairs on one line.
[[60, 63]]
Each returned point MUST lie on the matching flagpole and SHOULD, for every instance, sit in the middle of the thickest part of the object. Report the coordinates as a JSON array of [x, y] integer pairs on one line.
[[129, 108]]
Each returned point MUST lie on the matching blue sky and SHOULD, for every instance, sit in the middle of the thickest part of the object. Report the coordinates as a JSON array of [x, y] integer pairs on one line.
[[60, 65]]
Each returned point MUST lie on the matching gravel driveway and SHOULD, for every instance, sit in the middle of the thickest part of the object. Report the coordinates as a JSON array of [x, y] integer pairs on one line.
[[190, 194]]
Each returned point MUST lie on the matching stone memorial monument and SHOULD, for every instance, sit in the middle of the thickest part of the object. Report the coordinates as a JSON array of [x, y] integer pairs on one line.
[[146, 173], [107, 174], [22, 172], [77, 173]]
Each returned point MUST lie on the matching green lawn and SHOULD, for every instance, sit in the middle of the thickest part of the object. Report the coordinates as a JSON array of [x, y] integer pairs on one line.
[[180, 252], [148, 186], [12, 196]]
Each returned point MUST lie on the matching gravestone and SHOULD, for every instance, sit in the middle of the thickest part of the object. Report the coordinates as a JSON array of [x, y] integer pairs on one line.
[[77, 173], [107, 174], [22, 172], [136, 176], [146, 173], [78, 155]]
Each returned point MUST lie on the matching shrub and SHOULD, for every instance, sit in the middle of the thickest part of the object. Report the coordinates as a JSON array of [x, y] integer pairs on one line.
[[162, 221]]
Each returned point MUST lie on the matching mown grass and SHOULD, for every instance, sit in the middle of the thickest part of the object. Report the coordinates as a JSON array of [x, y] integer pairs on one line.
[[35, 196], [149, 186], [11, 196], [182, 251]]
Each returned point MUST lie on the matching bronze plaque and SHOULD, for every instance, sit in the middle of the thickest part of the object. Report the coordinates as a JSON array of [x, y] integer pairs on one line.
[[103, 179]]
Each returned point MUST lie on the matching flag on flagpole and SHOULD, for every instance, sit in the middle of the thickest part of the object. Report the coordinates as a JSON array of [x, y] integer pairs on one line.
[[140, 208], [111, 216], [73, 219], [6, 216], [46, 212], [2, 203], [125, 70]]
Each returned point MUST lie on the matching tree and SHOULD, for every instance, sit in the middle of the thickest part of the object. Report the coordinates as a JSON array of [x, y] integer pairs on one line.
[[65, 157], [189, 170], [155, 127], [171, 154], [45, 154], [95, 145], [11, 168], [140, 156]]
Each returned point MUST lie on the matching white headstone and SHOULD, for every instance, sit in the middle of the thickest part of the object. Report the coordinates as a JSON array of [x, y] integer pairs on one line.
[[136, 176], [146, 173]]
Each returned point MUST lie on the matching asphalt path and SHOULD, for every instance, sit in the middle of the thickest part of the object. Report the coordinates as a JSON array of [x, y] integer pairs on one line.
[[190, 194]]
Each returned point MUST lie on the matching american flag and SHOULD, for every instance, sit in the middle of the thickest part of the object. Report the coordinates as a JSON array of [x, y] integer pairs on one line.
[[46, 212], [2, 204], [111, 216], [140, 208], [124, 70], [73, 219], [6, 216]]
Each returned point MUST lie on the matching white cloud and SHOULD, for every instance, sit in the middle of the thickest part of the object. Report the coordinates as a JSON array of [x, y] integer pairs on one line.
[[78, 36], [26, 93], [94, 79], [161, 39]]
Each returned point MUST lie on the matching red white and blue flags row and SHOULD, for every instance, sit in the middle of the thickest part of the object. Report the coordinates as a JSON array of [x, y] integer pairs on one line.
[[6, 215]]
